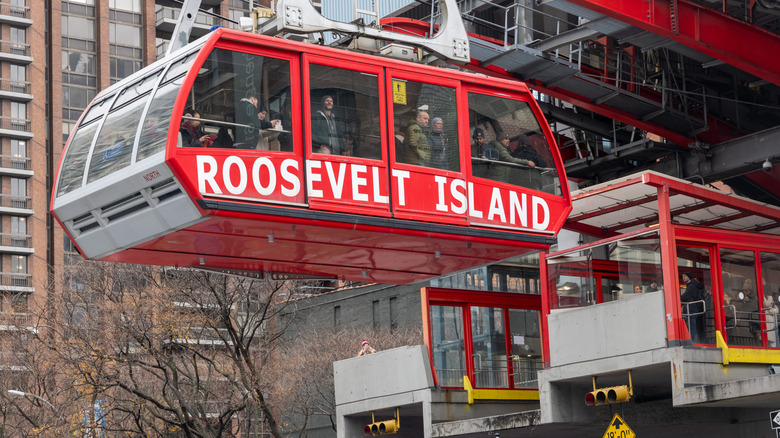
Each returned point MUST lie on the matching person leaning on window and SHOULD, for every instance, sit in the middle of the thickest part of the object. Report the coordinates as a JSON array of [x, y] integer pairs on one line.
[[504, 173]]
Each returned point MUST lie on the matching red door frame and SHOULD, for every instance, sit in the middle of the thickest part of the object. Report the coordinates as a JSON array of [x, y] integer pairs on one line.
[[465, 299]]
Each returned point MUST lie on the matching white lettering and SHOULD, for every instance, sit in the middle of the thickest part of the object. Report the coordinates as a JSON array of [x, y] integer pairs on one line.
[[472, 211], [496, 206], [291, 178], [459, 195], [234, 189], [312, 177], [357, 182], [264, 162], [535, 204], [378, 197], [207, 176], [401, 175], [518, 206], [440, 181], [336, 184]]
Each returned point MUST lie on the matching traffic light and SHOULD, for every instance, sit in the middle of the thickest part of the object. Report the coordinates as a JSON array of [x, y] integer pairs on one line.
[[605, 396], [382, 427], [613, 394]]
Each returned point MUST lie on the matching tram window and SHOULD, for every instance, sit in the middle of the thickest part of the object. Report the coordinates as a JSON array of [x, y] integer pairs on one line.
[[158, 118], [513, 148], [241, 99], [417, 141], [345, 112], [114, 146], [73, 164]]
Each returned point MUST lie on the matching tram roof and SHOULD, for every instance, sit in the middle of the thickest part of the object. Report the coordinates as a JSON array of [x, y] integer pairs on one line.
[[630, 203]]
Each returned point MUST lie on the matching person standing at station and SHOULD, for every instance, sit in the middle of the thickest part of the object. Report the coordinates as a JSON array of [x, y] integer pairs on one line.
[[693, 312], [653, 286], [327, 135], [365, 349]]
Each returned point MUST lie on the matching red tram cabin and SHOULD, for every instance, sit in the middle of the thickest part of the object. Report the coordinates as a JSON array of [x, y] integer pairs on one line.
[[251, 153]]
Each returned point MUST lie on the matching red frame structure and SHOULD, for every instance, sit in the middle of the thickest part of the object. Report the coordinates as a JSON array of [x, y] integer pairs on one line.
[[687, 214], [465, 299]]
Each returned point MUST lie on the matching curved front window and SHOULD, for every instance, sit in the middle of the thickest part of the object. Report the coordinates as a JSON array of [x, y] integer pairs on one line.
[[508, 144], [239, 100]]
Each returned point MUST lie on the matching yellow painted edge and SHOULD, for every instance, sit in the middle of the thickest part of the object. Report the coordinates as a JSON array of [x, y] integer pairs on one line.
[[506, 394], [721, 343], [469, 389], [746, 355], [754, 355]]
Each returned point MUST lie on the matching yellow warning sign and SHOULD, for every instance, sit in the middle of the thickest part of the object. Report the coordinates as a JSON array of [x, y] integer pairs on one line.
[[399, 92], [618, 429]]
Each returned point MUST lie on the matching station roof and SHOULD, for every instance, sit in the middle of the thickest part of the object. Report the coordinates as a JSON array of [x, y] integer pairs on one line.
[[630, 203]]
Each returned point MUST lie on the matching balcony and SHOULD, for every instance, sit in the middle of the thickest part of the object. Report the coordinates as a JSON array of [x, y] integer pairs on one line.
[[14, 204], [15, 166], [15, 14], [11, 282], [20, 244], [16, 319], [15, 90], [166, 19], [20, 129], [18, 53]]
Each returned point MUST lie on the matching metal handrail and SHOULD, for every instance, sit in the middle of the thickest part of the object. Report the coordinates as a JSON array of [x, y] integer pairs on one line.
[[687, 307]]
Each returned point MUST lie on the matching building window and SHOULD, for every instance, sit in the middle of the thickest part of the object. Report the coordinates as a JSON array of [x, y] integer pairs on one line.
[[18, 193], [19, 303], [19, 269], [18, 76], [375, 314], [19, 231], [19, 116], [18, 154], [393, 314], [19, 41], [336, 318]]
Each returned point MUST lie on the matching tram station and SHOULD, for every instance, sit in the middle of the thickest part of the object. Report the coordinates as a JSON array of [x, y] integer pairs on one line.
[[643, 226]]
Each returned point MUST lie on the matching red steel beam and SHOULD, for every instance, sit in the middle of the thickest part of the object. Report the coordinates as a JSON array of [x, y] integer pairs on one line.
[[704, 29]]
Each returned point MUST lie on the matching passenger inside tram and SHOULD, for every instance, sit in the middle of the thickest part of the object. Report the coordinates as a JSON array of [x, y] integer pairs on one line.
[[520, 152], [344, 113], [419, 142]]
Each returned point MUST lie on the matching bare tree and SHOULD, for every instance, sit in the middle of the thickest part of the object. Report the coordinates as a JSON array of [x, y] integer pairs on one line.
[[301, 377], [154, 353]]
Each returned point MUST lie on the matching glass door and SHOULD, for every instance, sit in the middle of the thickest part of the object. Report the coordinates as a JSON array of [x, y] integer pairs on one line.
[[448, 346], [489, 352], [526, 347]]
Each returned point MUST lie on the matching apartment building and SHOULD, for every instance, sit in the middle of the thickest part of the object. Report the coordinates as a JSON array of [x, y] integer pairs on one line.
[[55, 56]]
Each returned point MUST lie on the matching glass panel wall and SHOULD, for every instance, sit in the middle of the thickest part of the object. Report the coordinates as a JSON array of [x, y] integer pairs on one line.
[[526, 347], [449, 349], [693, 266], [770, 304], [488, 340], [606, 272], [738, 273]]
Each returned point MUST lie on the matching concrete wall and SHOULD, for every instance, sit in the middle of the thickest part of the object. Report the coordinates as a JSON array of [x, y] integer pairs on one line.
[[633, 324]]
